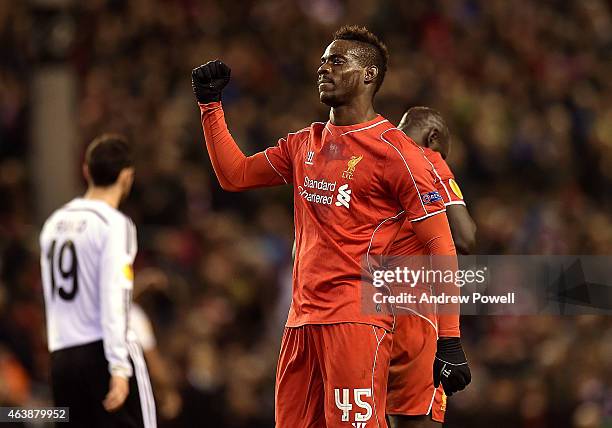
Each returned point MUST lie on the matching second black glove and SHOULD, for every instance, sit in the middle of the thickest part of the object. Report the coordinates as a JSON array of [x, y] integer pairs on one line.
[[450, 366]]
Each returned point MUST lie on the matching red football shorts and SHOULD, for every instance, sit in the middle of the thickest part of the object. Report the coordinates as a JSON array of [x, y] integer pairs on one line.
[[332, 375], [410, 390]]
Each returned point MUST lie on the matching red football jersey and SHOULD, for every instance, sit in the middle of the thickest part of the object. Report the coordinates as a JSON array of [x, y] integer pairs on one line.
[[445, 179], [407, 243], [351, 186]]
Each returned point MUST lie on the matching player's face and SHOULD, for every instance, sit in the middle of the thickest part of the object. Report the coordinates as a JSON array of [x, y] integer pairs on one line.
[[340, 76]]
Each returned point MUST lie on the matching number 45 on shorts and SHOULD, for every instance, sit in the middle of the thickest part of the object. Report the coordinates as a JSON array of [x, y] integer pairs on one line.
[[343, 402]]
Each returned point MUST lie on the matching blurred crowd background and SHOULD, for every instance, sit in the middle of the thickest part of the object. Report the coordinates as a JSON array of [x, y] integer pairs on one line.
[[526, 89]]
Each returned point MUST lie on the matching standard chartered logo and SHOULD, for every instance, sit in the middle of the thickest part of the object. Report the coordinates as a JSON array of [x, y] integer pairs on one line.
[[343, 196], [314, 191], [322, 192]]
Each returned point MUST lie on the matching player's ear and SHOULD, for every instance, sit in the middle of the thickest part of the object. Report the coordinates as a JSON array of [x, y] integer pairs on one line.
[[126, 178], [433, 137], [403, 123], [86, 173], [371, 73]]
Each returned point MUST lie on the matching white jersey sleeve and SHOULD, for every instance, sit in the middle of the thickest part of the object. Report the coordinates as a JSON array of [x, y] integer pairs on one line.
[[116, 278]]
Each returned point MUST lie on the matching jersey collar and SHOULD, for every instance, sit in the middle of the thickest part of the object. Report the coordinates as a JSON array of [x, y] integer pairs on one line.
[[346, 129]]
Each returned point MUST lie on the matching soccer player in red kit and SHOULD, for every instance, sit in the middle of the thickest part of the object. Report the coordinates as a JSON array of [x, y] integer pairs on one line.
[[352, 176], [426, 127], [413, 400]]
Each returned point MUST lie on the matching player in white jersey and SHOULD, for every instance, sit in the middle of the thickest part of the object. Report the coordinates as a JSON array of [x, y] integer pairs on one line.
[[87, 251]]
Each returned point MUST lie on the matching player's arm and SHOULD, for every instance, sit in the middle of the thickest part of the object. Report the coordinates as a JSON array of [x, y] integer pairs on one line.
[[461, 223], [233, 169], [411, 180], [450, 364], [116, 282], [165, 387], [462, 227], [435, 235]]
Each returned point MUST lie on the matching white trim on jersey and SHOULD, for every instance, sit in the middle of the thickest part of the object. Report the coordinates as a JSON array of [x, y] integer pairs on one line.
[[285, 140], [145, 392], [407, 167], [298, 132], [378, 342], [437, 175], [372, 238], [429, 215], [422, 316], [368, 255], [89, 210], [364, 128], [276, 170], [454, 203], [293, 133]]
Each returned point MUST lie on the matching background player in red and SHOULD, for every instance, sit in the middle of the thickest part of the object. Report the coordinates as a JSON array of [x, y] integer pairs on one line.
[[353, 178], [428, 129], [414, 401]]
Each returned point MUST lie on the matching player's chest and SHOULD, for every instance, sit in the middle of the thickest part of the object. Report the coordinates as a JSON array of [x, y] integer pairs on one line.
[[336, 171]]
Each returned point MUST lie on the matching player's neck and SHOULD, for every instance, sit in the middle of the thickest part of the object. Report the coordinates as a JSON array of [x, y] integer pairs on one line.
[[351, 114], [111, 195]]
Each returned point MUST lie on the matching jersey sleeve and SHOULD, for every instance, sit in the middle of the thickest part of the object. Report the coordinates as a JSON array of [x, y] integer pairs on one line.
[[445, 180], [234, 170], [281, 157], [410, 177], [116, 284]]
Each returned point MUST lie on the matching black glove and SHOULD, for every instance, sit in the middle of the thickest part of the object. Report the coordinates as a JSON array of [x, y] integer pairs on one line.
[[208, 81], [451, 366]]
